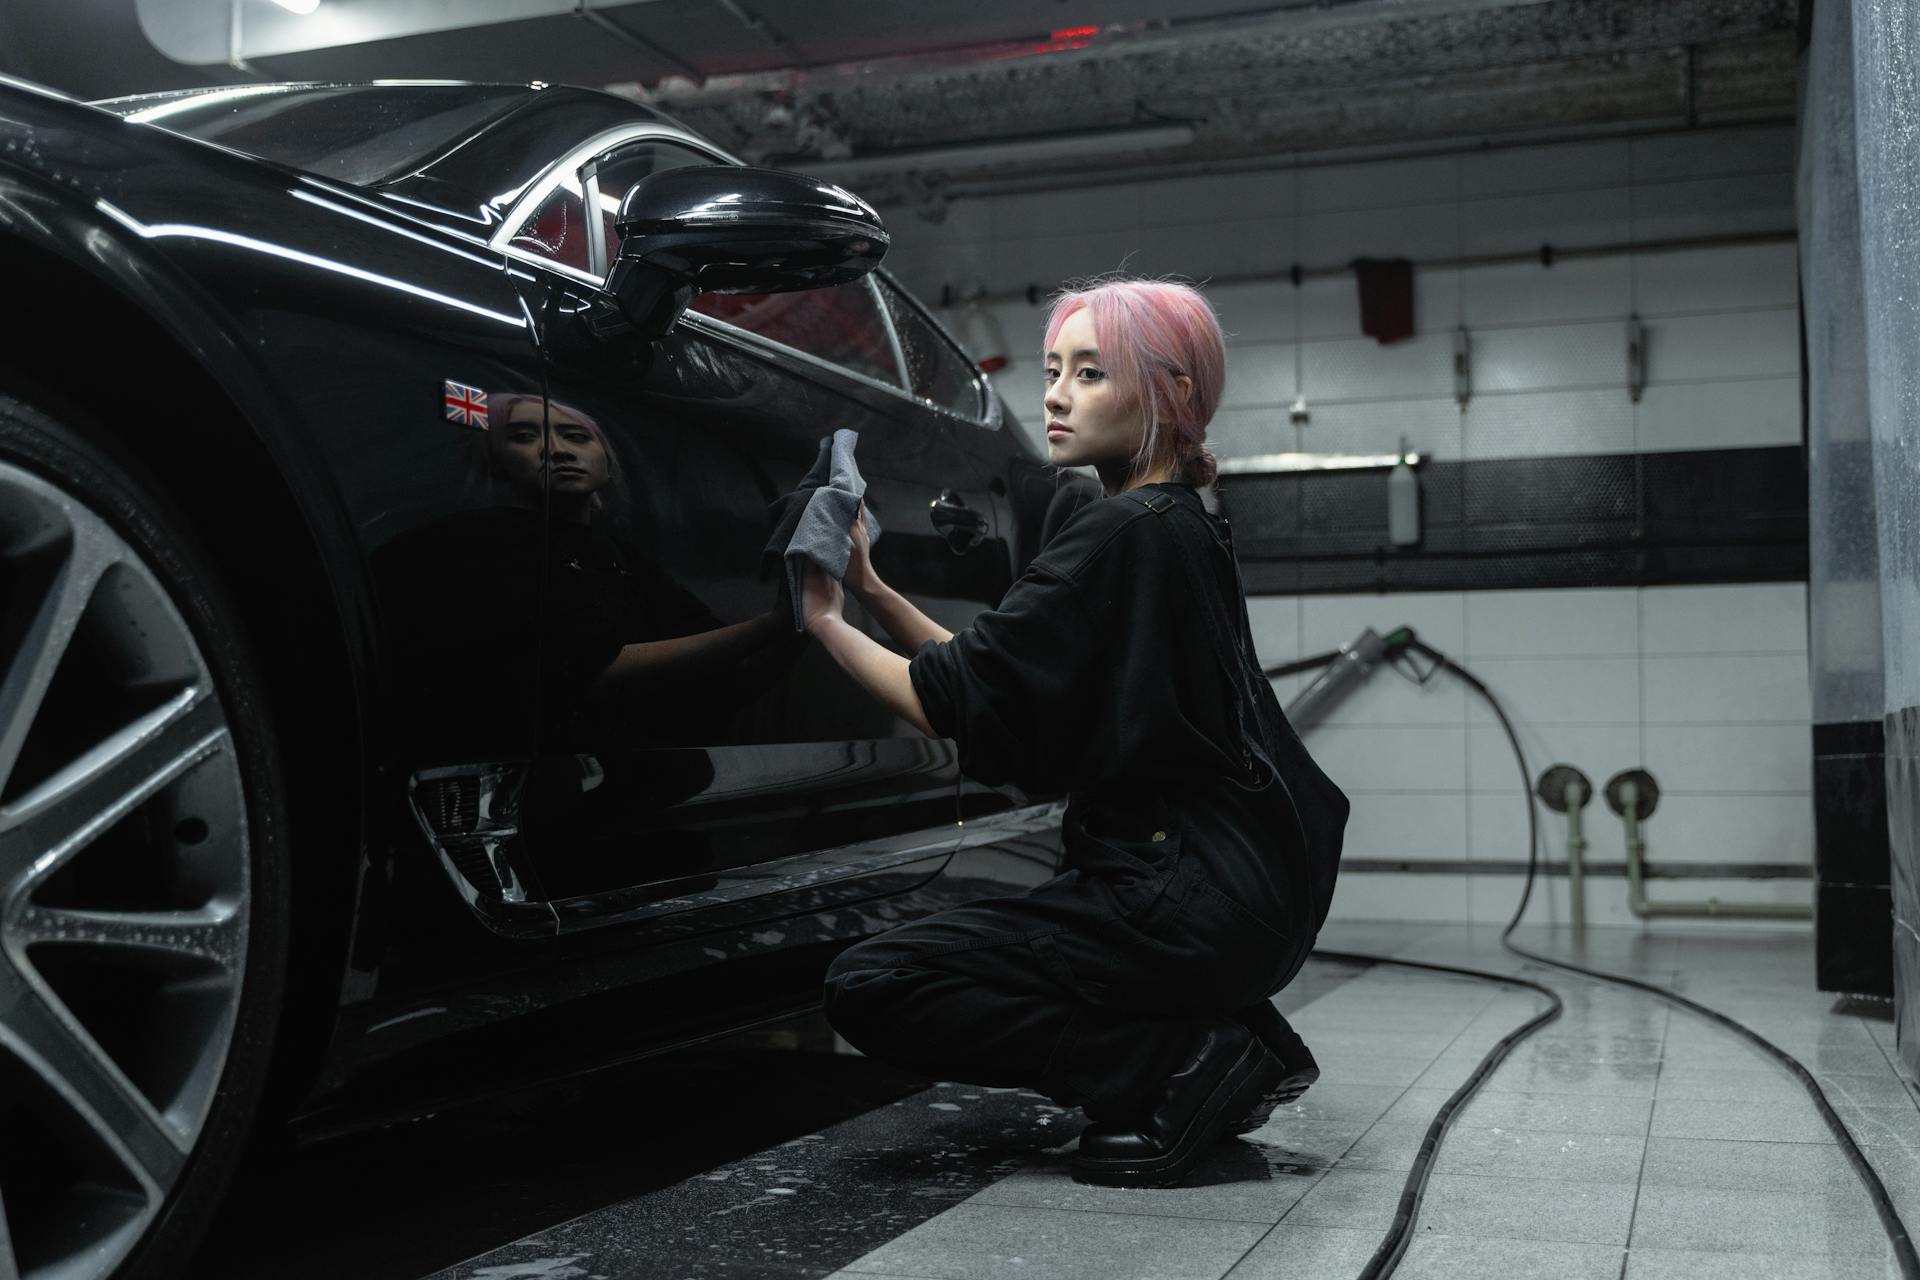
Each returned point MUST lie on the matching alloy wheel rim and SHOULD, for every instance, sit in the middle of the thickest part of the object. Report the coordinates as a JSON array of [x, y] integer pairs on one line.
[[124, 888]]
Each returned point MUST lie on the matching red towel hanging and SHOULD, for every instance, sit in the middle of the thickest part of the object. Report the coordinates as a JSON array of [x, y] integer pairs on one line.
[[1386, 297]]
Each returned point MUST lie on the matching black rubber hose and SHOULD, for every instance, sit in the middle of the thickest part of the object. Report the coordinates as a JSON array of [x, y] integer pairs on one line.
[[1388, 1255], [1890, 1221], [1394, 1245], [1303, 664]]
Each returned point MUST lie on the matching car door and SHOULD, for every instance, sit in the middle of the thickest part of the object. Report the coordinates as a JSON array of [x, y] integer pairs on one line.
[[695, 744]]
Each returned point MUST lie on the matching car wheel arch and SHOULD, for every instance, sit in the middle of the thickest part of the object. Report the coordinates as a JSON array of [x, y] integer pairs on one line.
[[260, 544]]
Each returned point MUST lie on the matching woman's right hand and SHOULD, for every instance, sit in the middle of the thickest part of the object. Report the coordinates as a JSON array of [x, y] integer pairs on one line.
[[860, 577]]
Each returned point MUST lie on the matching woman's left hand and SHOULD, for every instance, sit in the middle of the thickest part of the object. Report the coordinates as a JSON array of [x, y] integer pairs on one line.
[[821, 596]]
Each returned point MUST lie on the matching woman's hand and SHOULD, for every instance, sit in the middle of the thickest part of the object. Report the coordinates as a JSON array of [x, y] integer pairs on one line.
[[821, 598], [860, 577]]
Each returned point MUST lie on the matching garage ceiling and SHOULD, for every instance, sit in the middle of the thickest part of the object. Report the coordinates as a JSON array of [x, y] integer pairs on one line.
[[839, 79]]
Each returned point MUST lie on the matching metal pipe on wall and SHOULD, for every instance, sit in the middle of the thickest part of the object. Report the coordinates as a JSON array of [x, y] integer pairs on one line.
[[1546, 255]]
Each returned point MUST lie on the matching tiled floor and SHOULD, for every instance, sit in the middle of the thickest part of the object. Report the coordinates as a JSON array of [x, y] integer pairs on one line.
[[1628, 1138]]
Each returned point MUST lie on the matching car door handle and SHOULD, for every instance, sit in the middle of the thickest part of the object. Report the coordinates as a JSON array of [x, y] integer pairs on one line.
[[958, 523]]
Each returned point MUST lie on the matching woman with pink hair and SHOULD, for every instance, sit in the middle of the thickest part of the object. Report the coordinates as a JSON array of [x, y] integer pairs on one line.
[[1200, 838]]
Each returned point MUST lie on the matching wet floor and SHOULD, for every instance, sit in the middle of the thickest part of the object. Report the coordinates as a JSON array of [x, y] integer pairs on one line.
[[1626, 1139], [398, 1203]]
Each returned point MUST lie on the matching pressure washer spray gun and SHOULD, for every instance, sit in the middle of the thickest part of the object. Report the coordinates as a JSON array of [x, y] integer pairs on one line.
[[1346, 669]]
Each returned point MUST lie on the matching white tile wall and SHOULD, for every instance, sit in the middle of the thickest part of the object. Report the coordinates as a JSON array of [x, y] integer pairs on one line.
[[1173, 204], [1327, 622], [1263, 373], [1729, 345], [1379, 184], [1410, 825], [1721, 321], [1703, 686], [1525, 293], [1597, 750], [1534, 423], [1260, 313], [1434, 426], [1745, 618], [1564, 623], [1739, 277], [1712, 206], [1395, 896], [1740, 414], [1360, 369], [1413, 231], [1674, 156], [1730, 757], [1551, 357], [1565, 219], [1734, 688], [1559, 167]]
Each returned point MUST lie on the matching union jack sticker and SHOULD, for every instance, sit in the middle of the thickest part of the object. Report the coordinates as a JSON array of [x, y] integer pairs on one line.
[[466, 405]]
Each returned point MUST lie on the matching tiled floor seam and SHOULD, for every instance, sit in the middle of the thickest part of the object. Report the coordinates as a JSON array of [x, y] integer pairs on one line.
[[1334, 1163], [1646, 1139], [1912, 1090], [1361, 1136], [974, 1202]]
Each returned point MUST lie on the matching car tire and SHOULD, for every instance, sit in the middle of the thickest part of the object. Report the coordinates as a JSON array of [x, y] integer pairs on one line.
[[143, 861]]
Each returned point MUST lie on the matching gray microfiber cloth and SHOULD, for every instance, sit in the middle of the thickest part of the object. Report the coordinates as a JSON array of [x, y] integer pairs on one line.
[[813, 521]]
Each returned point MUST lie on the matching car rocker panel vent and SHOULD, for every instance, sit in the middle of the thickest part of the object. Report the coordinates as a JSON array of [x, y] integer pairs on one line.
[[469, 813]]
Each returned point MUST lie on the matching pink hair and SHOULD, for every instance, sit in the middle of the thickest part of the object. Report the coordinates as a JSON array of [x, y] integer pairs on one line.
[[1151, 331]]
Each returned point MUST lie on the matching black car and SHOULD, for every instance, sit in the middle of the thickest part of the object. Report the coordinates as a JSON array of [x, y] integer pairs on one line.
[[398, 696]]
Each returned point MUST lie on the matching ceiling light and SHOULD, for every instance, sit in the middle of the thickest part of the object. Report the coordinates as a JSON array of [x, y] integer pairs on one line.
[[1065, 146], [302, 7]]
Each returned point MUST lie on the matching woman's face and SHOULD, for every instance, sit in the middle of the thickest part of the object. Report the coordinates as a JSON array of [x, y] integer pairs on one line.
[[577, 465], [1088, 421]]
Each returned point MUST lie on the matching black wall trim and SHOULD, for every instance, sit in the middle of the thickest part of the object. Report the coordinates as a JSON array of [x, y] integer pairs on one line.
[[1850, 738], [1612, 870], [1901, 781], [1591, 520], [1853, 900]]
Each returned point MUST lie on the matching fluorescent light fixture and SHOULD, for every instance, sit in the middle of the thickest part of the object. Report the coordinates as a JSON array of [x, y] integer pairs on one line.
[[1065, 146], [1271, 462], [302, 7]]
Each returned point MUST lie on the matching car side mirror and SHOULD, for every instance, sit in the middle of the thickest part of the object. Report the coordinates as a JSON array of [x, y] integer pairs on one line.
[[730, 229]]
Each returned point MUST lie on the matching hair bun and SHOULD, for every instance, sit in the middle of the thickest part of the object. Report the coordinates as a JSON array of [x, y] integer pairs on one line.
[[1202, 468]]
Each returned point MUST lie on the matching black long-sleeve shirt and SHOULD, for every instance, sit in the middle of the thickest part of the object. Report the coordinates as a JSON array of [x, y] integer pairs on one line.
[[1097, 675]]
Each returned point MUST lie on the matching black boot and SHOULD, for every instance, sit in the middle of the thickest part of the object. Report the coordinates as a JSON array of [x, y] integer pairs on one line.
[[1298, 1070], [1228, 1072]]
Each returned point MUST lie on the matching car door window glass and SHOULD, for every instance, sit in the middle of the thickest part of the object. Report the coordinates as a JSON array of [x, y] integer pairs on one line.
[[937, 369], [557, 231], [843, 324]]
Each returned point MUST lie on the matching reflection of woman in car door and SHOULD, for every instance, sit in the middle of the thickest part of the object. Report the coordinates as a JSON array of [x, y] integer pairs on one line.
[[620, 628], [1200, 837]]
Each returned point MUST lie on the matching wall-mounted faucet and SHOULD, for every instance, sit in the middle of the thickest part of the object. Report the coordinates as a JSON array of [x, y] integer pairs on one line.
[[1564, 789], [1633, 794]]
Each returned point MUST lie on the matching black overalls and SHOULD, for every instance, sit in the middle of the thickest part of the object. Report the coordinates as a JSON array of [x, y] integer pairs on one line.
[[1201, 840]]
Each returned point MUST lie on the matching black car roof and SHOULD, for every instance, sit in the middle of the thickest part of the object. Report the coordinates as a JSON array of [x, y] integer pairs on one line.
[[476, 136]]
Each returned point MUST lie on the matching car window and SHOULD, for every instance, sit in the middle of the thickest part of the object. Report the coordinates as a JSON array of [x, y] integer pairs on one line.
[[842, 324], [937, 369], [557, 230], [620, 169]]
